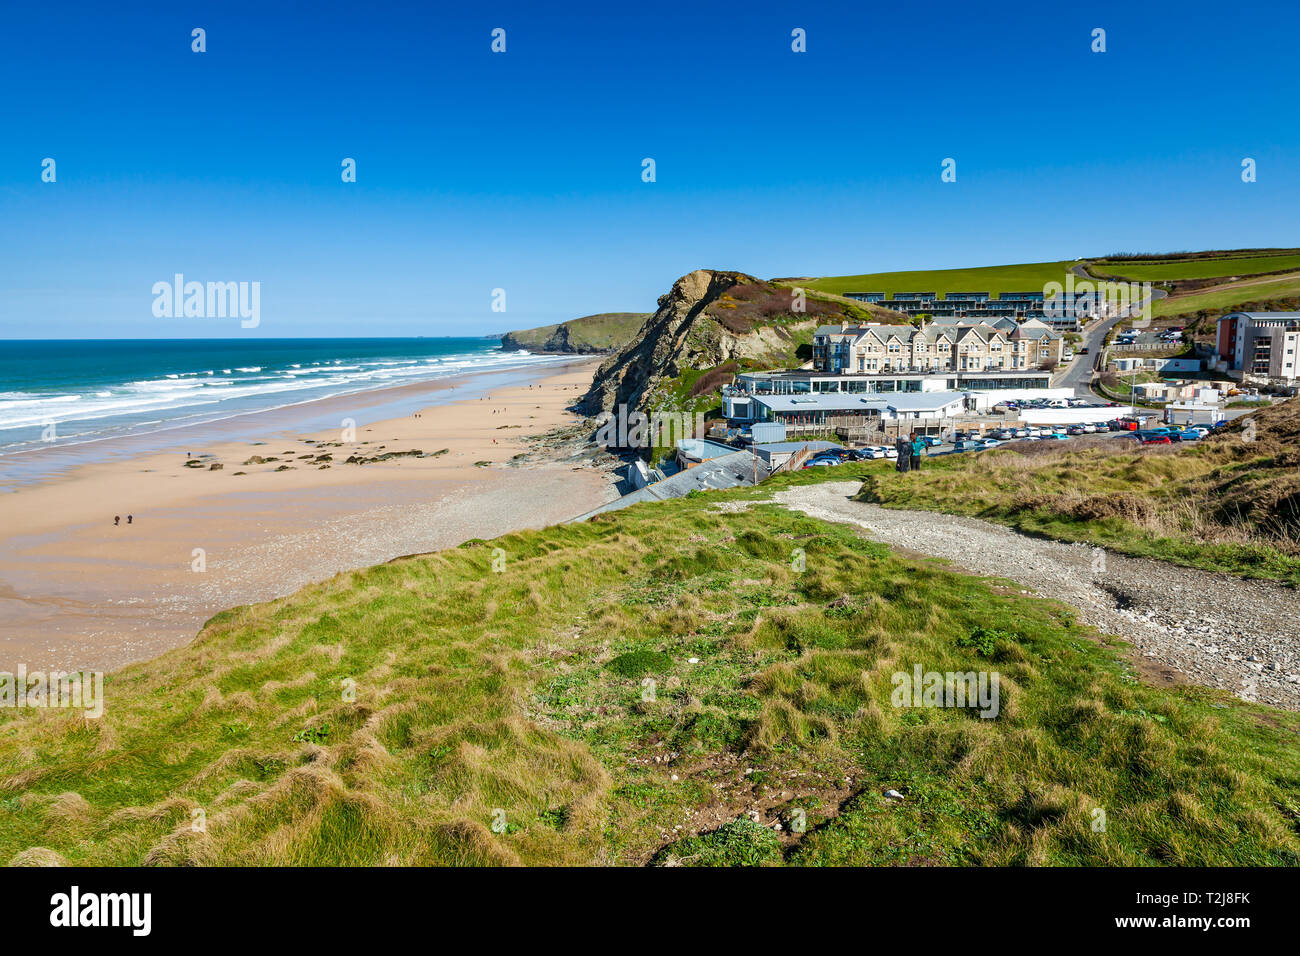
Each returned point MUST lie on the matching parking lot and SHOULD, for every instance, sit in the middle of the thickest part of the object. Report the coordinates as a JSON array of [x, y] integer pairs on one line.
[[965, 442]]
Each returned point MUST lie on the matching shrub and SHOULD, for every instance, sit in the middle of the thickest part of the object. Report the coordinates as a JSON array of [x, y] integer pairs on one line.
[[740, 843], [984, 640], [639, 663]]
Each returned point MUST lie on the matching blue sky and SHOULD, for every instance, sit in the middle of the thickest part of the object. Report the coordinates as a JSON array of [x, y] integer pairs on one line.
[[522, 170]]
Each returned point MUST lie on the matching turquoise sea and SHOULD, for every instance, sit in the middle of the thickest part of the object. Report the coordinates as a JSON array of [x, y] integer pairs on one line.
[[64, 392]]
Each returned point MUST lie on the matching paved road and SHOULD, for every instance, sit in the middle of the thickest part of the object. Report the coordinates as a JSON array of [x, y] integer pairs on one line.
[[1079, 373]]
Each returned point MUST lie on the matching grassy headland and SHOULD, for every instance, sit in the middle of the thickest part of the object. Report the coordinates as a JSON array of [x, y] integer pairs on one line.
[[626, 691], [603, 332]]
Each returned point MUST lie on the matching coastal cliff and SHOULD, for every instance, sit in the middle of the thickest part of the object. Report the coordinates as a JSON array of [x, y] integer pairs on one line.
[[710, 325], [588, 335]]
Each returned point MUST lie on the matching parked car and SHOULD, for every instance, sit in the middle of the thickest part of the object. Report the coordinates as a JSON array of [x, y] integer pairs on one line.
[[1075, 430], [1157, 440], [931, 441], [1190, 435], [967, 444], [987, 442], [870, 452], [820, 462], [1058, 436]]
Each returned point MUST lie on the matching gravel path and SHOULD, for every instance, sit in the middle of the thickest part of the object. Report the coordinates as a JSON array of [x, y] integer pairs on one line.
[[1214, 629]]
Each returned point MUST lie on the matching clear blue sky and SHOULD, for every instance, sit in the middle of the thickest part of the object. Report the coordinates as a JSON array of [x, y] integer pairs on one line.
[[523, 170]]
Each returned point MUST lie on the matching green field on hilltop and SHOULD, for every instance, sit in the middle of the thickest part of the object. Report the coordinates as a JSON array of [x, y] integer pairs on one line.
[[1208, 268], [1228, 297], [1025, 277], [627, 691]]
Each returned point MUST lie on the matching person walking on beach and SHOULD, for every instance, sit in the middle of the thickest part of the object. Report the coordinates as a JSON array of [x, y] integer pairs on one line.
[[128, 519], [904, 451], [117, 520], [917, 450]]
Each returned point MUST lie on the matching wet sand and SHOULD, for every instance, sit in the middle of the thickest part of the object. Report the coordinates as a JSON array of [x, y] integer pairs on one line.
[[78, 592]]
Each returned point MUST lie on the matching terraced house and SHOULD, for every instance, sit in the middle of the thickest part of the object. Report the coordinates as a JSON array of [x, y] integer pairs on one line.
[[941, 346]]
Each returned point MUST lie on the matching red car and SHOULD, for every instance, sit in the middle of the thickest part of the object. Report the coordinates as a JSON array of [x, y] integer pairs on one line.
[[1157, 440]]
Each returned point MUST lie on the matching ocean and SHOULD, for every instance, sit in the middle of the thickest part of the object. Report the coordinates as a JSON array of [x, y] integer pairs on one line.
[[61, 393]]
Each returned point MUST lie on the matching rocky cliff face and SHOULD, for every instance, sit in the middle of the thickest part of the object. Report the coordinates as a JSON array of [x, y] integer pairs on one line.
[[561, 340], [708, 319], [588, 335]]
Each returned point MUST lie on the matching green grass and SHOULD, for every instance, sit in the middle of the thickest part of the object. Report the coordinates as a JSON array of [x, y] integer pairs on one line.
[[1209, 268], [1228, 297], [551, 713], [1024, 277], [739, 843]]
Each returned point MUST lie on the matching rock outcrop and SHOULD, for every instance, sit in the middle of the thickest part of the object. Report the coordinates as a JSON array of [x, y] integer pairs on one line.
[[561, 340], [589, 335], [714, 321]]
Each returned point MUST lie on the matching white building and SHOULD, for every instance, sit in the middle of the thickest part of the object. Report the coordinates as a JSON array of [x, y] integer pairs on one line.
[[1193, 413], [1162, 366], [839, 408], [1261, 344]]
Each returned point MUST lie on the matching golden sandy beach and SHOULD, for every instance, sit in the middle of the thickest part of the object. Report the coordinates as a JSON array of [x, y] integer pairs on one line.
[[78, 591]]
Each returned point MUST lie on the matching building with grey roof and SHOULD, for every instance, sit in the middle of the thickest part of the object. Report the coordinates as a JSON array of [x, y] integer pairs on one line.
[[947, 345], [1261, 344], [843, 409]]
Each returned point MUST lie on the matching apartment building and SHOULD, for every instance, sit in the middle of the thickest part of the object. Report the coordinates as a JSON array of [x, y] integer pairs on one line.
[[1060, 312], [940, 346], [1261, 344]]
